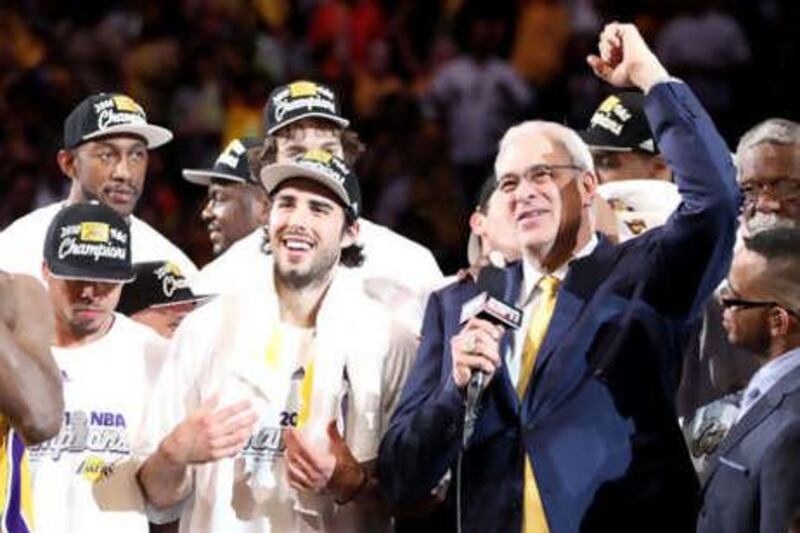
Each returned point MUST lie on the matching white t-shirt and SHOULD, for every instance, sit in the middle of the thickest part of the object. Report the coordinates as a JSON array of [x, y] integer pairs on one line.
[[22, 244], [228, 347], [397, 272], [84, 478]]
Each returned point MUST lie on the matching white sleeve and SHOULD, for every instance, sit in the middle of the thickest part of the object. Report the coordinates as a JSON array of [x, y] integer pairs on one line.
[[397, 365], [176, 392]]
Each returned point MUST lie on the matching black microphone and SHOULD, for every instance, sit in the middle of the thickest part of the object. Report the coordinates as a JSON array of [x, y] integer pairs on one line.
[[489, 306]]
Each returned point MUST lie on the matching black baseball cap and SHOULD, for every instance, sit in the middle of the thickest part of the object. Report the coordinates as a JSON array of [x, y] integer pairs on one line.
[[299, 100], [105, 114], [231, 165], [157, 284], [620, 125], [322, 167], [89, 241]]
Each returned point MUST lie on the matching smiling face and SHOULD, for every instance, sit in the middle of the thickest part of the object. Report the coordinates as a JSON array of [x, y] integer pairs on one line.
[[769, 176], [307, 232], [232, 211], [110, 170], [83, 309], [535, 175]]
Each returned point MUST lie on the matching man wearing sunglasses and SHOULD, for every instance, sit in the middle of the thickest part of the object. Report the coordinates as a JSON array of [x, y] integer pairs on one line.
[[753, 478]]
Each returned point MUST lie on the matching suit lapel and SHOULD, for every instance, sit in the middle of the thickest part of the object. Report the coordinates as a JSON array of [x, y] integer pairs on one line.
[[753, 417], [575, 292], [580, 284]]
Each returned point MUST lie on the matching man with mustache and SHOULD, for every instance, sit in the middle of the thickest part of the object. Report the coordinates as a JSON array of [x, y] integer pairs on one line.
[[577, 429], [768, 157], [105, 155], [83, 478]]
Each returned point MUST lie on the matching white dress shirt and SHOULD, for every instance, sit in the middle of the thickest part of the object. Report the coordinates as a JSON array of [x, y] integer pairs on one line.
[[528, 297]]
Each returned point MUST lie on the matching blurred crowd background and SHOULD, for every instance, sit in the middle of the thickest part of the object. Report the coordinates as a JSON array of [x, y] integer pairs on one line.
[[430, 86]]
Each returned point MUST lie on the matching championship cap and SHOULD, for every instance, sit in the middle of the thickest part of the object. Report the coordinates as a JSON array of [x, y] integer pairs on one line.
[[111, 114], [231, 165], [299, 100], [157, 284], [89, 241], [620, 125], [322, 167], [640, 205], [474, 242]]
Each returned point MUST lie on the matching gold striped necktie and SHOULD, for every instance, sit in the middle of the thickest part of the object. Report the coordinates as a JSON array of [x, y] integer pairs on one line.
[[533, 518]]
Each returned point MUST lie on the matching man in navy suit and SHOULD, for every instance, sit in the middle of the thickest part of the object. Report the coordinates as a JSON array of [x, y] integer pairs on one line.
[[595, 427], [753, 479]]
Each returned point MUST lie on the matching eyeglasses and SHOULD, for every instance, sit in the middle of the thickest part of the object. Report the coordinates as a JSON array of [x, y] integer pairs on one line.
[[780, 189], [740, 303], [729, 299], [537, 175]]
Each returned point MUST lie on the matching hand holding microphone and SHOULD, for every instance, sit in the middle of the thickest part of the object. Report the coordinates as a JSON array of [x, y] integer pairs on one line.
[[475, 348]]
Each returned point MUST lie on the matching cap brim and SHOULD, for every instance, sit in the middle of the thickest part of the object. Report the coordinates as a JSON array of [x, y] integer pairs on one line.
[[154, 135], [599, 141], [340, 121], [82, 275], [274, 175], [204, 177], [196, 298]]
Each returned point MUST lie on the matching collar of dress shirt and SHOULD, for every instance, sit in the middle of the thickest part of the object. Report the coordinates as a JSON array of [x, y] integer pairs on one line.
[[531, 274], [769, 374]]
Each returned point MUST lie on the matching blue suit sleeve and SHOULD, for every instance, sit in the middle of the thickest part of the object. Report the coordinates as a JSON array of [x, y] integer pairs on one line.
[[424, 433], [692, 251]]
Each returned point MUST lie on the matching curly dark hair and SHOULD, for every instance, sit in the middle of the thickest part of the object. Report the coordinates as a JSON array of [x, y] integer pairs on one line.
[[352, 256], [267, 154]]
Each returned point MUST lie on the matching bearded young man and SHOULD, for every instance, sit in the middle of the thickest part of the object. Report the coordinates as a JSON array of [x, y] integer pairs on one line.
[[307, 370], [753, 478], [397, 272]]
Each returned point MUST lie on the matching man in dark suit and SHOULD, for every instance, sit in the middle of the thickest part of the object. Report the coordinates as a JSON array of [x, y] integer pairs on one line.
[[753, 479], [577, 430]]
